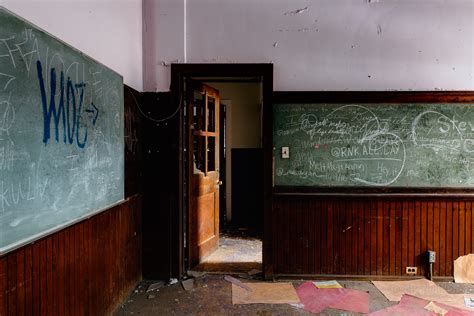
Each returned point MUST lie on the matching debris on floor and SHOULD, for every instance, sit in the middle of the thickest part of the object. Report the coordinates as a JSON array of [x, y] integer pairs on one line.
[[236, 254], [265, 293], [196, 274], [213, 295], [332, 284], [155, 286], [297, 305], [433, 307], [316, 299], [420, 288], [411, 305], [188, 284], [394, 290], [237, 282], [464, 269], [254, 272], [172, 281], [469, 301]]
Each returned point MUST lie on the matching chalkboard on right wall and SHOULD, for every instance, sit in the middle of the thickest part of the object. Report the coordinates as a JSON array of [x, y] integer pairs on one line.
[[405, 145]]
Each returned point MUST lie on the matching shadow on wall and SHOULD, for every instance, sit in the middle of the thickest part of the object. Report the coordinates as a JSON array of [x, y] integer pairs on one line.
[[247, 188], [161, 181]]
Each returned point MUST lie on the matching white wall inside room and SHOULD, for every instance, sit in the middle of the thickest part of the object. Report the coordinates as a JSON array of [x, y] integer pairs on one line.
[[109, 31], [324, 44], [243, 115], [246, 107]]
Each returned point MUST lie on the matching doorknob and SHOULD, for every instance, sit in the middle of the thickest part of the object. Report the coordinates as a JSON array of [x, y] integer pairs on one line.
[[218, 182]]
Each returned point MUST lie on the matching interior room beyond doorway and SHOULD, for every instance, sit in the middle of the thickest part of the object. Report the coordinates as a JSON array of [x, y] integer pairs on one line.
[[241, 173]]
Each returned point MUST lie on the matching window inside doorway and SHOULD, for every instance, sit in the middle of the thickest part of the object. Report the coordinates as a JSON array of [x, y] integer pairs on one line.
[[204, 127]]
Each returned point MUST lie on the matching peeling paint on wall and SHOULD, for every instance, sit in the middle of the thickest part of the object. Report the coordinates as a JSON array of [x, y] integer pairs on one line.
[[379, 29], [295, 12], [168, 63], [303, 29], [412, 44]]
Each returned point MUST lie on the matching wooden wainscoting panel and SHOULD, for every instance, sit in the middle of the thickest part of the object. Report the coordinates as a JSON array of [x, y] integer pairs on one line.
[[85, 269], [316, 235]]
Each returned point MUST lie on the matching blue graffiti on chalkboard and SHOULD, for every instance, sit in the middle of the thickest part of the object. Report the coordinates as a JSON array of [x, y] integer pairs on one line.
[[94, 111], [62, 113]]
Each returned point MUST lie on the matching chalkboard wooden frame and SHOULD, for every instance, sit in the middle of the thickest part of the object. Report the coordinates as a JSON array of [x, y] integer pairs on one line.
[[372, 97]]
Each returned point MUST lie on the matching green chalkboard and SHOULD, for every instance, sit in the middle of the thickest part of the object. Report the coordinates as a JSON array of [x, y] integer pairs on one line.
[[408, 145], [61, 134]]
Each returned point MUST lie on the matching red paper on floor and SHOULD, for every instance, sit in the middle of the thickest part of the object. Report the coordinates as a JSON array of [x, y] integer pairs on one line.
[[315, 300], [411, 305]]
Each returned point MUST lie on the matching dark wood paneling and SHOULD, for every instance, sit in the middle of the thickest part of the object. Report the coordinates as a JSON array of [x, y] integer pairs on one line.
[[314, 235], [85, 269], [133, 133], [3, 286], [161, 199]]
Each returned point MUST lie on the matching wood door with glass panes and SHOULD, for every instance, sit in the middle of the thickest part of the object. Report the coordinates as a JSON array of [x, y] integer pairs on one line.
[[203, 116]]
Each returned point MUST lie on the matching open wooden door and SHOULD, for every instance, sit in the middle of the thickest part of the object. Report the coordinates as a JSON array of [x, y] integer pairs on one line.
[[203, 116]]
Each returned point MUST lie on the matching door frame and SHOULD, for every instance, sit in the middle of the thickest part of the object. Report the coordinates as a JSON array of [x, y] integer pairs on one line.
[[179, 72]]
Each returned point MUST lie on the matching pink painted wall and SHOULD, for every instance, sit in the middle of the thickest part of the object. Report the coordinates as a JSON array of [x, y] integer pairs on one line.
[[318, 45], [109, 31], [314, 45]]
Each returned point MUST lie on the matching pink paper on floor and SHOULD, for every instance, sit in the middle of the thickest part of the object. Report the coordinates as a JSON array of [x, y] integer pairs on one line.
[[422, 288], [399, 310], [411, 305], [315, 300]]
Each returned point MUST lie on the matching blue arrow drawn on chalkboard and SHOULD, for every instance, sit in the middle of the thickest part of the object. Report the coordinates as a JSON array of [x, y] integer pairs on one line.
[[94, 110]]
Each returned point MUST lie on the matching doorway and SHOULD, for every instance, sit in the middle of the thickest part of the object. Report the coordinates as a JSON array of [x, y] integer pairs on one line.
[[241, 178], [232, 223]]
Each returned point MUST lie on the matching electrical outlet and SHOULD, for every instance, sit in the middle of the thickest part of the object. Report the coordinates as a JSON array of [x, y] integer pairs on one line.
[[411, 270], [431, 256]]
